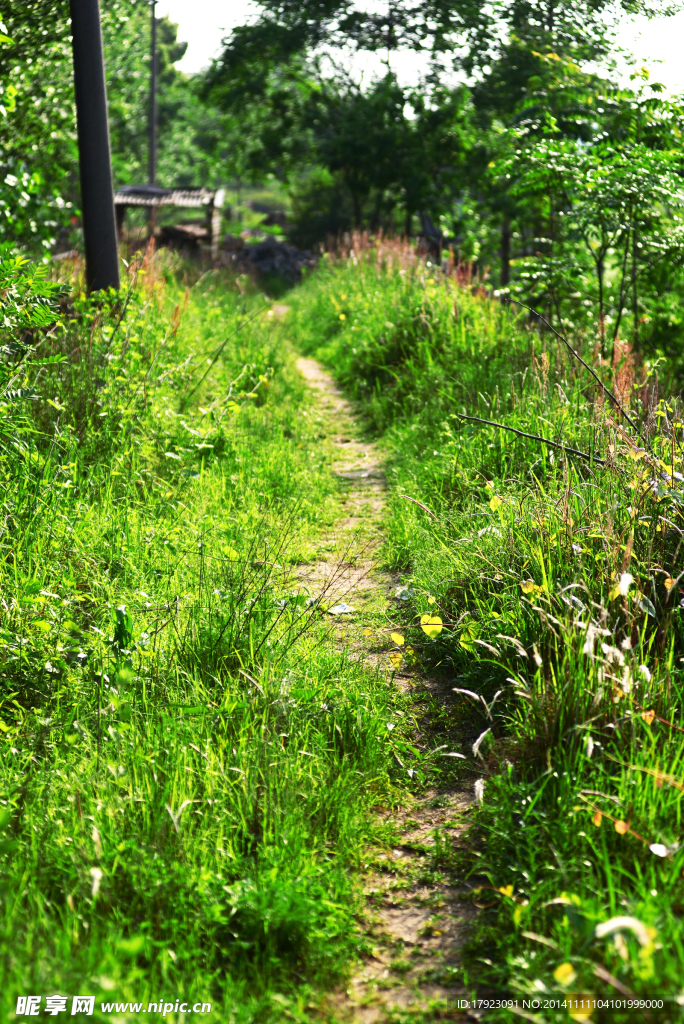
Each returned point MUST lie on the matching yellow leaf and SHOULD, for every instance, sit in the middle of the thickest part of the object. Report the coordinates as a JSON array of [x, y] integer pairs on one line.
[[565, 974], [530, 587], [396, 657], [431, 600], [518, 913], [367, 632], [507, 890], [621, 827], [398, 639], [431, 625], [597, 819], [648, 716], [580, 1013], [495, 503], [669, 583]]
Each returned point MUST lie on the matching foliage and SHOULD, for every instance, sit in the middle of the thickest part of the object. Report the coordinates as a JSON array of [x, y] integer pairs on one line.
[[554, 584], [187, 760], [39, 197]]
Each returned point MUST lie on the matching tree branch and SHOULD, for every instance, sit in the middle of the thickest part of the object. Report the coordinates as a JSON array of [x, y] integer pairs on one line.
[[586, 365], [535, 437]]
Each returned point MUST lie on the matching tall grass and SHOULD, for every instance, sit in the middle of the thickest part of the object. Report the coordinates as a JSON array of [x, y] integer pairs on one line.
[[186, 762], [553, 582]]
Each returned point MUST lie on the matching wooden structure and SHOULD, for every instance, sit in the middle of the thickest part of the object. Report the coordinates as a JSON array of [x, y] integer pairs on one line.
[[152, 197]]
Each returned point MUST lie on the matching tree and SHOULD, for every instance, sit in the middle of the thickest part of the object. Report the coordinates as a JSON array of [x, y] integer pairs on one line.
[[38, 150]]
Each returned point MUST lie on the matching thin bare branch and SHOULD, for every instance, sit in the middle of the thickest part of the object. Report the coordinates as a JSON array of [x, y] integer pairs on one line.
[[585, 364], [535, 437]]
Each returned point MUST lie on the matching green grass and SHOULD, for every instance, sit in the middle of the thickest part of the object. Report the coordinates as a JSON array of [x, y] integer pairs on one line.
[[187, 761], [519, 550], [189, 764]]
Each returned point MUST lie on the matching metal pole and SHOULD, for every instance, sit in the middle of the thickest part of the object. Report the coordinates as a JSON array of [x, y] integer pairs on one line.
[[97, 192], [152, 156]]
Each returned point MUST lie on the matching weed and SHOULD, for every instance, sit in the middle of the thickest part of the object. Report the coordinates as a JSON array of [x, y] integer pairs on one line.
[[545, 588]]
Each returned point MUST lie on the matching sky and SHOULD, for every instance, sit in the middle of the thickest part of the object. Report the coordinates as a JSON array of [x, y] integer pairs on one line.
[[658, 44]]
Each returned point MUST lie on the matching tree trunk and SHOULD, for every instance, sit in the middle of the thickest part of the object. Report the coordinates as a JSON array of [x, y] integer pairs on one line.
[[602, 317], [356, 205], [505, 252], [635, 297]]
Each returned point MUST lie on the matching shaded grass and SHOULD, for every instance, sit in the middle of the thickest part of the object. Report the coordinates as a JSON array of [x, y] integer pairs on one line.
[[556, 582]]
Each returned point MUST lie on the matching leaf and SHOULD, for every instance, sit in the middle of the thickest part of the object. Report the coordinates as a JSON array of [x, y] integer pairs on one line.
[[431, 625], [530, 587], [621, 827], [432, 600], [398, 639], [669, 583], [648, 716], [42, 625], [598, 817], [396, 657], [506, 890], [647, 606], [132, 946], [495, 503], [565, 974], [368, 632]]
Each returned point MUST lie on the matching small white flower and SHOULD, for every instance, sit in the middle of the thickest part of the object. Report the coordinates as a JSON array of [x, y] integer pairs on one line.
[[479, 790], [592, 633], [613, 654], [626, 580], [645, 672], [96, 876], [626, 680], [658, 849]]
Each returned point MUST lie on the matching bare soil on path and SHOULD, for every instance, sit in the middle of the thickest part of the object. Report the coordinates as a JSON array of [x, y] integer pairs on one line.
[[415, 917]]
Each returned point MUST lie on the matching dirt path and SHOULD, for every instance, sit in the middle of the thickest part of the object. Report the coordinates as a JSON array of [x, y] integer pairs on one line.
[[415, 918]]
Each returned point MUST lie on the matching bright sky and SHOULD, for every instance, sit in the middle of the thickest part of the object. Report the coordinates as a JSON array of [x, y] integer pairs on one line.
[[203, 23]]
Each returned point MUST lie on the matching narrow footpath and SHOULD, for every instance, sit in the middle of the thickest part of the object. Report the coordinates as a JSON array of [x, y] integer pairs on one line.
[[415, 918]]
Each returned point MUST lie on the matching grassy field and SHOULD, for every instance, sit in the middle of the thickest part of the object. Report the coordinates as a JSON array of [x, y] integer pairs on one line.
[[553, 580], [187, 760], [190, 764]]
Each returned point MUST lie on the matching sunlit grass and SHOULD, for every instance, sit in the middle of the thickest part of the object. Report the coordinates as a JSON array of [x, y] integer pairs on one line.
[[556, 580], [187, 762]]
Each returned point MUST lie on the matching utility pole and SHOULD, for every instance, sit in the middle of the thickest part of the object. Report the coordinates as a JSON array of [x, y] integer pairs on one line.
[[152, 127], [97, 192], [152, 155]]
